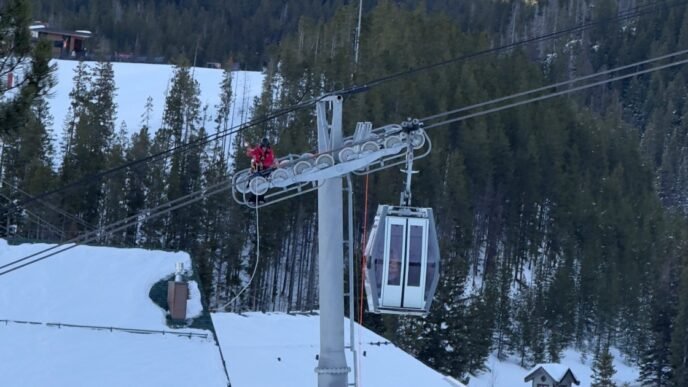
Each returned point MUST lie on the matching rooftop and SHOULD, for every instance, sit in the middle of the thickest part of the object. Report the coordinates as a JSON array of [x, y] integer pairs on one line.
[[554, 370]]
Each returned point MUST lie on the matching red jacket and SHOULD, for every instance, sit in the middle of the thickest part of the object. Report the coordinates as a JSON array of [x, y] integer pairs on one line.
[[262, 156]]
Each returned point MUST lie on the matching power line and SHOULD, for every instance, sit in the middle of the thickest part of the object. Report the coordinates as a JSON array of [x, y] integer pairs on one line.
[[220, 187], [628, 14], [552, 86], [634, 12], [198, 195], [555, 94], [118, 225], [49, 206], [161, 155]]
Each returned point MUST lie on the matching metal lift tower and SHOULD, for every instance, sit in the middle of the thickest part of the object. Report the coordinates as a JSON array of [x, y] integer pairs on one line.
[[367, 151], [332, 369]]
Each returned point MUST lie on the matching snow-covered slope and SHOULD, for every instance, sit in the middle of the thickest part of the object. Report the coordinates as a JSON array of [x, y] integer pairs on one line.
[[509, 374], [277, 349], [102, 287], [137, 81]]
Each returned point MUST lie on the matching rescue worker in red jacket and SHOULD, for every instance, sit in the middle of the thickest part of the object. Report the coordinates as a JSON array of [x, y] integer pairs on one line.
[[262, 160], [262, 157]]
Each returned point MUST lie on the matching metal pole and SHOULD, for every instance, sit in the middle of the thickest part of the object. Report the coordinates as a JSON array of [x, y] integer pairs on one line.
[[357, 40], [332, 369], [350, 250]]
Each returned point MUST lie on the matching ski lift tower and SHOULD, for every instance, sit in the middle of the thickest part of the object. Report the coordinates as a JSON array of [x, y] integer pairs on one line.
[[367, 151], [332, 369]]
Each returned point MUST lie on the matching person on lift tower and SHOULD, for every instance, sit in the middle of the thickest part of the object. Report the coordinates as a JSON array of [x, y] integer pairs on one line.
[[262, 162]]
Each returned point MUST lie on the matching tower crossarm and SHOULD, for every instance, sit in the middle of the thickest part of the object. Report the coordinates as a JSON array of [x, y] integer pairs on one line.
[[368, 150]]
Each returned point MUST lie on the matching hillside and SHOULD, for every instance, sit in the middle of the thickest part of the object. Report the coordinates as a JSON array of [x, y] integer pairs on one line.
[[136, 82]]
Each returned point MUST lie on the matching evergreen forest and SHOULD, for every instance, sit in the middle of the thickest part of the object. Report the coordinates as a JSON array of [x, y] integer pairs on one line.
[[562, 223]]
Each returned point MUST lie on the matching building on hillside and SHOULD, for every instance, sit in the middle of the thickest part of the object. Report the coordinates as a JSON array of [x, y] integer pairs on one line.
[[551, 375], [65, 44]]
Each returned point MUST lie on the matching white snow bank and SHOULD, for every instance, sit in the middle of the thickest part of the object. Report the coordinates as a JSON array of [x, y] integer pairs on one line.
[[194, 308]]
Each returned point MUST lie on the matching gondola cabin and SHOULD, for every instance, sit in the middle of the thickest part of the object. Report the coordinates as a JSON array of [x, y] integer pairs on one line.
[[403, 261]]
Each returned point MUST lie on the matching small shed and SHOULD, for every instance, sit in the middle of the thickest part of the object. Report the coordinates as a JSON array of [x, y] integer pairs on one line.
[[551, 375]]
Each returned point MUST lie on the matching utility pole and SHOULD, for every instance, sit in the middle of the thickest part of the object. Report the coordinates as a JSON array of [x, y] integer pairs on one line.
[[332, 369]]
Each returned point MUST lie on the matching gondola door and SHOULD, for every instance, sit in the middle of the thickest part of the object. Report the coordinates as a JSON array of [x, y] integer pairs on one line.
[[415, 265], [393, 273]]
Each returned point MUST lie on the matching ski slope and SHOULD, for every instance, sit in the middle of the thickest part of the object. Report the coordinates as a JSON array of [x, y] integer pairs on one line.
[[136, 82], [509, 374]]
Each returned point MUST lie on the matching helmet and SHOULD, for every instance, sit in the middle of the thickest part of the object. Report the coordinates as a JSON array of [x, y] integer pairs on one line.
[[265, 142]]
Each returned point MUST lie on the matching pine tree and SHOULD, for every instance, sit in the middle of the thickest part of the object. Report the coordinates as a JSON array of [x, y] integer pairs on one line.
[[603, 369], [79, 97], [28, 63], [137, 184], [181, 124], [224, 109], [25, 164], [89, 137], [679, 338]]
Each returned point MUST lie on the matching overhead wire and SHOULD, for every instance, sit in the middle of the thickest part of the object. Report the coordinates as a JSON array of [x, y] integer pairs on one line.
[[624, 15], [555, 94], [37, 219], [188, 199], [117, 226], [128, 222], [162, 154], [554, 85], [49, 206]]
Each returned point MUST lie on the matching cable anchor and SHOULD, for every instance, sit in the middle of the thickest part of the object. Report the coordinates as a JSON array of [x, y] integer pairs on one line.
[[408, 127]]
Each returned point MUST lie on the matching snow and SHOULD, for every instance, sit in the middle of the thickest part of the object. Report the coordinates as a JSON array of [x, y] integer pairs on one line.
[[44, 356], [137, 81], [97, 286], [194, 308], [278, 349], [509, 374], [94, 285], [109, 287]]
